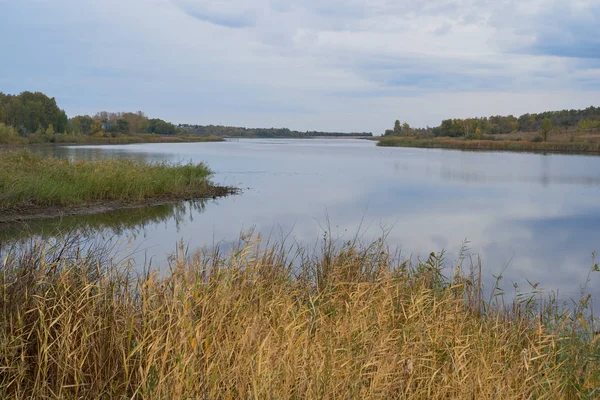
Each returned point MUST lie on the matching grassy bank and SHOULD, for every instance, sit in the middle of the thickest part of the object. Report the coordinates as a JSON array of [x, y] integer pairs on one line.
[[118, 139], [494, 145], [30, 183], [142, 138], [349, 323]]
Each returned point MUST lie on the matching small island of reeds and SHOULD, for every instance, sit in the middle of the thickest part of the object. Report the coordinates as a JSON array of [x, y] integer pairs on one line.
[[33, 186]]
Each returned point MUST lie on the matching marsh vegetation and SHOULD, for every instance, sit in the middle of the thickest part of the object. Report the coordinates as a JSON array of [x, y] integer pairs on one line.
[[270, 320], [566, 131], [525, 142], [34, 185]]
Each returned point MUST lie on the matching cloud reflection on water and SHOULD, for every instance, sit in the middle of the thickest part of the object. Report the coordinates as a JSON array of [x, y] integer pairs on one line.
[[537, 213]]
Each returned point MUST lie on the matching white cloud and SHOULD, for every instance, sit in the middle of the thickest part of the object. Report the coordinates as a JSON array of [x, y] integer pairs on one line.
[[341, 65]]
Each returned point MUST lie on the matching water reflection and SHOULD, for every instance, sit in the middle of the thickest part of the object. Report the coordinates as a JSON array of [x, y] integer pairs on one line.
[[543, 180], [77, 153], [536, 214], [124, 223]]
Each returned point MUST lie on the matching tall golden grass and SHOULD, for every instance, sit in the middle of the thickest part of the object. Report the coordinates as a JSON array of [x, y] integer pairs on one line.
[[273, 322]]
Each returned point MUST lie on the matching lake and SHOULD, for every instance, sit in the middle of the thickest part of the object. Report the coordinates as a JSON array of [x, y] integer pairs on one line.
[[537, 217]]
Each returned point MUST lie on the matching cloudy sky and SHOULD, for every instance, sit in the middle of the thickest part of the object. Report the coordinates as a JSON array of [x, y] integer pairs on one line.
[[342, 65]]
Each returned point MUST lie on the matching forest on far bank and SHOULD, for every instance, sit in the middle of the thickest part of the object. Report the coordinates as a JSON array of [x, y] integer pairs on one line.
[[38, 118], [232, 131], [34, 117], [586, 120]]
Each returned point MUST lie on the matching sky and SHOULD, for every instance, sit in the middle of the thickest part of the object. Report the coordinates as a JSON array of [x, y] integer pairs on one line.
[[330, 65]]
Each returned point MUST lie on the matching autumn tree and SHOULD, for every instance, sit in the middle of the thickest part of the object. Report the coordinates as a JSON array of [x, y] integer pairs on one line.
[[96, 128], [50, 131], [586, 125], [82, 124], [138, 122]]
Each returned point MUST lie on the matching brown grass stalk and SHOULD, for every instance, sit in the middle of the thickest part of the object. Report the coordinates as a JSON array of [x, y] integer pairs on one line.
[[269, 322]]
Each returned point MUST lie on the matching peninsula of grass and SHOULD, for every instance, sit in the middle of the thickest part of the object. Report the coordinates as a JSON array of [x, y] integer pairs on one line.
[[62, 139], [274, 322], [563, 147], [32, 186], [140, 138]]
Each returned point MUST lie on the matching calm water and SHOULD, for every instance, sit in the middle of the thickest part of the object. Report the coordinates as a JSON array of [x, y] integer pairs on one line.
[[538, 215]]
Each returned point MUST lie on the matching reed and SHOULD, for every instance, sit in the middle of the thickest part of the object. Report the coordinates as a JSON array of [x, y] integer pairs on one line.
[[493, 145], [30, 181], [268, 320], [10, 136], [127, 139]]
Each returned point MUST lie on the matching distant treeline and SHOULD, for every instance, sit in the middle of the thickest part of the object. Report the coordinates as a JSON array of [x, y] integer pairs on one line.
[[36, 118], [126, 123], [587, 120], [231, 131]]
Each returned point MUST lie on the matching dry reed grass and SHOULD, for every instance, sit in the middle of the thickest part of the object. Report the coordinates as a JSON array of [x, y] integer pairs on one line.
[[591, 147], [270, 321]]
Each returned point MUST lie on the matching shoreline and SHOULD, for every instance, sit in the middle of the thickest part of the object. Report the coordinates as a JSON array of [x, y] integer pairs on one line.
[[513, 146], [37, 187], [296, 137], [167, 139], [36, 213], [142, 139]]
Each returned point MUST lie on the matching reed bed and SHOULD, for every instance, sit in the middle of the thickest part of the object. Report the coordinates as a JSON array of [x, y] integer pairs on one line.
[[10, 136], [130, 139], [28, 181], [493, 145], [270, 321]]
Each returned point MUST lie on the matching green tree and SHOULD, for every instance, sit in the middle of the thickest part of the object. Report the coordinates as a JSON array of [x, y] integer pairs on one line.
[[85, 123], [397, 128], [585, 125], [122, 126], [161, 127], [73, 127], [406, 131], [447, 128], [546, 128], [28, 111], [6, 133], [62, 122]]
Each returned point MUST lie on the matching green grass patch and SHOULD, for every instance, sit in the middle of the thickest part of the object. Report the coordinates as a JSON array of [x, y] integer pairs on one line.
[[29, 180]]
